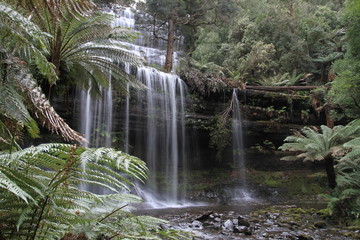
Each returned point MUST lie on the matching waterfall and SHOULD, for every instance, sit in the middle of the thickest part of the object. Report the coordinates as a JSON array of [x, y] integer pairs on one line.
[[164, 129], [97, 117], [152, 121], [240, 193], [237, 135]]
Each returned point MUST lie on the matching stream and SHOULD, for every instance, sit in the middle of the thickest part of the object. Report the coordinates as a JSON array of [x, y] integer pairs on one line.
[[252, 220]]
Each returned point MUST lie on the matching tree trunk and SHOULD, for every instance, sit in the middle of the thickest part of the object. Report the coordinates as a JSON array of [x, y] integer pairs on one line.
[[170, 45], [56, 51], [329, 121], [330, 172]]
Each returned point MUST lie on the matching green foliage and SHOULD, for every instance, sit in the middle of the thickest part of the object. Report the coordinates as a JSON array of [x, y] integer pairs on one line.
[[207, 51], [23, 38], [19, 91], [316, 146], [70, 44], [344, 94], [90, 49], [296, 183], [41, 197], [345, 200], [205, 79], [219, 135], [289, 37], [327, 145]]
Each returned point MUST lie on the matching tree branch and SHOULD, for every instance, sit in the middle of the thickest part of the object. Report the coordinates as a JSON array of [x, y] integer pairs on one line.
[[154, 29]]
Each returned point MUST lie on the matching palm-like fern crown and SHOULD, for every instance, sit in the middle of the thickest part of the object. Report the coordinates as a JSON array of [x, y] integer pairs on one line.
[[84, 48], [315, 145], [80, 45], [19, 90], [58, 8]]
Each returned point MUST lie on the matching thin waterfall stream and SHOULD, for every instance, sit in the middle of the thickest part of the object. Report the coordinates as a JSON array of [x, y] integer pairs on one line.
[[237, 135], [238, 150]]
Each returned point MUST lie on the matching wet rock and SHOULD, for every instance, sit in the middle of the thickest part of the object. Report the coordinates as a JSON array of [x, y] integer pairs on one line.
[[216, 225], [240, 229], [217, 215], [165, 226], [243, 222], [211, 195], [273, 216], [287, 235], [196, 224], [228, 225], [205, 216], [235, 222], [304, 236], [248, 232], [320, 224], [217, 219]]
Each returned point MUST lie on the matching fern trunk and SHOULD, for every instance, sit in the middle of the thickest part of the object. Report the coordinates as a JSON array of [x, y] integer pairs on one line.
[[330, 172], [170, 45]]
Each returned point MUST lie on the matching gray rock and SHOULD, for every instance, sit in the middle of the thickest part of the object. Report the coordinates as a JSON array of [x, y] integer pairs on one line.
[[228, 225], [196, 224], [235, 222], [240, 229]]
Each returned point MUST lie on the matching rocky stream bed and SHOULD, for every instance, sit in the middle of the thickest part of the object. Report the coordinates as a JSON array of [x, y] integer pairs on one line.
[[253, 221]]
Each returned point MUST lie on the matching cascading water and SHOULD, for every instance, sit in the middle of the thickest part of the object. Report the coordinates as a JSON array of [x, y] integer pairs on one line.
[[238, 148], [97, 117], [164, 129], [153, 120], [237, 135]]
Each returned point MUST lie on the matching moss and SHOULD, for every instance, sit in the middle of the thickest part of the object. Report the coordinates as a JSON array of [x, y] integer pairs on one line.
[[295, 182], [208, 179]]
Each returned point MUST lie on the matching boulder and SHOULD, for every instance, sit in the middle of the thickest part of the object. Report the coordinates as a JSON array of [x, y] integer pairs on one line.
[[243, 222], [228, 225], [196, 224]]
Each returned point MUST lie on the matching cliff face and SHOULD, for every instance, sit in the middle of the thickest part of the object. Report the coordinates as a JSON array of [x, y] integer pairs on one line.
[[269, 115]]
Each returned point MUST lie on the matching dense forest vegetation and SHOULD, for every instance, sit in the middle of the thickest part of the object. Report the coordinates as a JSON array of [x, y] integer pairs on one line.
[[48, 45]]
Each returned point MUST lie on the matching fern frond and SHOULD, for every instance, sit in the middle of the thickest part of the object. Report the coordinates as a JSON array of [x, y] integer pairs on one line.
[[42, 108], [56, 7], [7, 182], [25, 38], [352, 143], [351, 129]]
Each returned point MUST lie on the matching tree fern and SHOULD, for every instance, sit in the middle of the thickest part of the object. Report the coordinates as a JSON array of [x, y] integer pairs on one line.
[[90, 45], [333, 143], [59, 8], [325, 145], [22, 37], [40, 194], [24, 43]]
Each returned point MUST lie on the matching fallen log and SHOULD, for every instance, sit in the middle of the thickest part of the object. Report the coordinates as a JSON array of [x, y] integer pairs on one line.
[[282, 88]]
